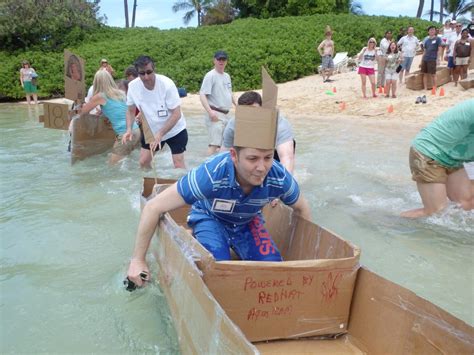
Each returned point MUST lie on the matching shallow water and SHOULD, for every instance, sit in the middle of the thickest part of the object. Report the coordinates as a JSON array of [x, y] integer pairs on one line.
[[67, 232]]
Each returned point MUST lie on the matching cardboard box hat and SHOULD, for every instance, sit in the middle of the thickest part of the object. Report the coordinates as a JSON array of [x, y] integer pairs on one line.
[[256, 127]]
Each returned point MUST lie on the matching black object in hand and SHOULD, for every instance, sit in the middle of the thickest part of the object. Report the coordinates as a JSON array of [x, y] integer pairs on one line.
[[132, 286]]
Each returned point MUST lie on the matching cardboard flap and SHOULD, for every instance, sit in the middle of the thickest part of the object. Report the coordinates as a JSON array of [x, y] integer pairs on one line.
[[255, 127], [74, 77], [147, 132], [269, 90], [56, 115]]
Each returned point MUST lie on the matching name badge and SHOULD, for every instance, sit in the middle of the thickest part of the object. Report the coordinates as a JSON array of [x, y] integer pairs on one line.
[[468, 44], [433, 41], [223, 206], [162, 113]]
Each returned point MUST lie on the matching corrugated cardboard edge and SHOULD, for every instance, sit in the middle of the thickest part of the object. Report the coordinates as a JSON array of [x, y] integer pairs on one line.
[[56, 116], [269, 90]]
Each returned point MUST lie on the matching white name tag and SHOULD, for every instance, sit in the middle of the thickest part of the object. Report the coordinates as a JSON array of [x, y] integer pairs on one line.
[[162, 113], [433, 41], [468, 44], [223, 206]]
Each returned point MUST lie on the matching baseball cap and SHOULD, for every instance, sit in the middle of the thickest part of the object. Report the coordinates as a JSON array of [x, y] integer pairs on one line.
[[220, 55], [103, 60], [453, 22]]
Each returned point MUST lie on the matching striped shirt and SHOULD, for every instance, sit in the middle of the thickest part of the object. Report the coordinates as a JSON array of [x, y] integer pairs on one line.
[[212, 188]]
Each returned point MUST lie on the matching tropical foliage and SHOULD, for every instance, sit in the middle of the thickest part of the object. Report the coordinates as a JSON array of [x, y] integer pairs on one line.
[[49, 24], [286, 46]]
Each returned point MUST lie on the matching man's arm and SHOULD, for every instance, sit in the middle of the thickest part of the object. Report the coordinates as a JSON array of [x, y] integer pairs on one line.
[[205, 104], [170, 123], [166, 201], [301, 207], [286, 152]]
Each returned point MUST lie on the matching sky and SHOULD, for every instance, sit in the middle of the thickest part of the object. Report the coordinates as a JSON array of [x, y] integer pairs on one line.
[[158, 13]]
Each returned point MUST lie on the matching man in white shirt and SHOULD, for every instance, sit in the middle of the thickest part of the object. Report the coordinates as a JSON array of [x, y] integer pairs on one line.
[[217, 99], [408, 45], [451, 41], [157, 98]]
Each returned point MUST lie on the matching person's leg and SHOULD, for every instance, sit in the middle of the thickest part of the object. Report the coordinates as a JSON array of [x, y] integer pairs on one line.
[[115, 158], [463, 70], [178, 160], [394, 88], [433, 81], [35, 97], [145, 158], [363, 79], [372, 85], [459, 189], [28, 98], [434, 198], [253, 242], [388, 84], [211, 234]]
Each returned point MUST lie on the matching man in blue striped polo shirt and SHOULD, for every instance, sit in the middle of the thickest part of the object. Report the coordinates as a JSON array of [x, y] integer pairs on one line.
[[227, 193]]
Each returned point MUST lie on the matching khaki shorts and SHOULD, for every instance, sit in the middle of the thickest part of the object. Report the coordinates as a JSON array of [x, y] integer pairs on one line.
[[215, 130], [125, 149], [428, 67], [426, 170]]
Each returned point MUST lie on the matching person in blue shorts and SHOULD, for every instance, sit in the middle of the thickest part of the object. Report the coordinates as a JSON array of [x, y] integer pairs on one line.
[[227, 193]]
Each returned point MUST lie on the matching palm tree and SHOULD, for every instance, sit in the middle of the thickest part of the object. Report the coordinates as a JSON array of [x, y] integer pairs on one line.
[[421, 4], [125, 5], [454, 8], [192, 7]]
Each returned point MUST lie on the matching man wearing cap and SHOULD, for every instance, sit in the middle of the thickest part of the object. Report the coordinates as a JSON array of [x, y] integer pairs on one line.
[[285, 142], [104, 65], [217, 99], [227, 193], [156, 96]]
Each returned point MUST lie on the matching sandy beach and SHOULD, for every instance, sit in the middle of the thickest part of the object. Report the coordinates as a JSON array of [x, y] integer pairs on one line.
[[310, 97]]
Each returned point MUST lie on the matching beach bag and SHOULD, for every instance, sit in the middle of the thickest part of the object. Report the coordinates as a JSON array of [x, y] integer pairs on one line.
[[34, 79]]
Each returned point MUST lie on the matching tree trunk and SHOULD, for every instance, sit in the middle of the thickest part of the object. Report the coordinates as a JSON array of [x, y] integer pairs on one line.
[[134, 12], [432, 9], [421, 4], [441, 10], [125, 5]]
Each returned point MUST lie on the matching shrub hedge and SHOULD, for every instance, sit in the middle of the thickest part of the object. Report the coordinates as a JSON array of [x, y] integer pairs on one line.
[[286, 46]]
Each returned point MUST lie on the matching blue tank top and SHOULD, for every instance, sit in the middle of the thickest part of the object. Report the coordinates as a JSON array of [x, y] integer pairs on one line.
[[115, 111]]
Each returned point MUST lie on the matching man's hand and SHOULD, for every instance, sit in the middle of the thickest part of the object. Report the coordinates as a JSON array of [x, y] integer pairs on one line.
[[156, 143], [127, 137], [138, 266], [213, 116]]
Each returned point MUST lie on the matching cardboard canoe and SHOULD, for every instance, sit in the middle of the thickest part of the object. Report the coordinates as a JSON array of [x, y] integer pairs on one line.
[[90, 135], [415, 80], [384, 317], [467, 83]]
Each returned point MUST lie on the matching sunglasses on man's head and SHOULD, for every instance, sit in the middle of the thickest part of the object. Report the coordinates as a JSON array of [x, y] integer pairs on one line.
[[148, 72]]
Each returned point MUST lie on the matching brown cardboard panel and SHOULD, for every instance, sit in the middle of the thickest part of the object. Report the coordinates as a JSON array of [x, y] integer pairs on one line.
[[91, 135], [41, 118], [202, 325], [269, 90], [148, 133], [389, 319], [467, 83], [74, 77], [255, 127], [340, 346], [415, 81], [56, 116]]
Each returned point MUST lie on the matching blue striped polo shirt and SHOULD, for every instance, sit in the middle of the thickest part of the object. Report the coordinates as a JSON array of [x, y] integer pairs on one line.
[[213, 189]]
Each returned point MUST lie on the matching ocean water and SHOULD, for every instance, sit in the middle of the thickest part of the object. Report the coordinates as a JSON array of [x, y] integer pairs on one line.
[[67, 232]]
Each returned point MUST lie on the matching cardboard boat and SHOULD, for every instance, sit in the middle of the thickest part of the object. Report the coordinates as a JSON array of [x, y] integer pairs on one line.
[[90, 135], [467, 83], [415, 80], [212, 303]]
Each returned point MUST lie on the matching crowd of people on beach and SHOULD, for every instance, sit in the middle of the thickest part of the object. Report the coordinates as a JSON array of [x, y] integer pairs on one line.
[[393, 58]]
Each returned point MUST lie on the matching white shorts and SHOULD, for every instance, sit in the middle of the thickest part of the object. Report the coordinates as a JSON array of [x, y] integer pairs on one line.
[[469, 167], [215, 130], [391, 75]]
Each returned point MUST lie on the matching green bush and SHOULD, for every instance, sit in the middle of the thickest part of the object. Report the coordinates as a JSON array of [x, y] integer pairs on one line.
[[286, 46]]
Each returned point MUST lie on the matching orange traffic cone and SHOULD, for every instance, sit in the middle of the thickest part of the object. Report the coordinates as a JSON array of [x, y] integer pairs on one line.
[[390, 109], [441, 92], [342, 106], [380, 90], [433, 90], [334, 90]]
